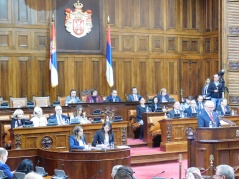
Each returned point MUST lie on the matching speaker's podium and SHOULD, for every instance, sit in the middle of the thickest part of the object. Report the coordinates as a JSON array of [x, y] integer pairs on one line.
[[221, 142]]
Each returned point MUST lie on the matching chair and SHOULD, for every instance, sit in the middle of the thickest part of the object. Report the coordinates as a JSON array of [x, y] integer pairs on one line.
[[2, 176], [84, 94], [59, 174], [61, 100], [6, 135], [41, 171], [19, 175], [174, 96], [133, 125], [150, 97], [18, 102], [154, 129], [41, 101]]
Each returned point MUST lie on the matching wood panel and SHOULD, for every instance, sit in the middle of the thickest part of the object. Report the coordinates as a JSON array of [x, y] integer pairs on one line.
[[148, 39]]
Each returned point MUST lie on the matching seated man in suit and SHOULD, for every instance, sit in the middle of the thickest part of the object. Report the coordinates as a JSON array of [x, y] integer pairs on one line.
[[208, 115], [59, 118], [176, 112], [223, 108], [113, 97], [4, 167], [72, 98], [193, 110], [200, 103], [134, 96]]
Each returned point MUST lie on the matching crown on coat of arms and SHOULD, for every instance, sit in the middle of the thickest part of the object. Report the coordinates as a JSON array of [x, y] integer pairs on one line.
[[78, 5]]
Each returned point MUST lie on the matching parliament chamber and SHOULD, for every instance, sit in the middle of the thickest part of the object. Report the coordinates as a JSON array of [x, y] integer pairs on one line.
[[172, 44]]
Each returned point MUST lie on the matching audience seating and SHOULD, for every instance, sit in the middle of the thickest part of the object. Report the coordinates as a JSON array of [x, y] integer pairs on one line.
[[41, 101], [174, 96], [150, 97], [84, 94], [133, 125], [6, 135], [154, 126], [18, 102], [61, 100]]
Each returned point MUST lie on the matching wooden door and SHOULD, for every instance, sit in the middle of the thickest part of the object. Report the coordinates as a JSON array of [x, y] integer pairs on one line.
[[190, 72]]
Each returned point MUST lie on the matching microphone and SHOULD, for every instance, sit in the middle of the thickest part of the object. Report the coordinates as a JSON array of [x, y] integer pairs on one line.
[[99, 172], [61, 166], [38, 161], [155, 176]]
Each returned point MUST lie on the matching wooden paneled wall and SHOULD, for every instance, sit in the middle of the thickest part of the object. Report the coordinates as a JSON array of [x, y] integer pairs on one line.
[[156, 43], [230, 50]]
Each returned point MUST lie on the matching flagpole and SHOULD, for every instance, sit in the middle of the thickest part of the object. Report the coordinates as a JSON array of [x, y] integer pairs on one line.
[[109, 63]]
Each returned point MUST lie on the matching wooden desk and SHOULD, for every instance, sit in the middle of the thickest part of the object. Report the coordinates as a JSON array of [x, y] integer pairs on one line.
[[147, 138], [174, 133], [221, 142], [55, 138], [120, 108], [81, 164]]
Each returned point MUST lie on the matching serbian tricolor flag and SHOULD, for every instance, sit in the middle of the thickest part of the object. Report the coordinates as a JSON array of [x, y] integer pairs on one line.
[[109, 64], [53, 59]]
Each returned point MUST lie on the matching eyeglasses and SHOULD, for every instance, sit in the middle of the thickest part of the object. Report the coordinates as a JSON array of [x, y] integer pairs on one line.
[[215, 176]]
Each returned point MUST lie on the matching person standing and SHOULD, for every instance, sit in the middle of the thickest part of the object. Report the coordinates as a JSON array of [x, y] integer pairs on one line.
[[205, 93], [215, 89]]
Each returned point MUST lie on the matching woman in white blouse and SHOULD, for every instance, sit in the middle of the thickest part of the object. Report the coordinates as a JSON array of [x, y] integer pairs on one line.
[[38, 119]]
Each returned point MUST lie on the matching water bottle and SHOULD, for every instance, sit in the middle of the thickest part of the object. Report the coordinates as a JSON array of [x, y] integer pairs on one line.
[[147, 109], [233, 113], [107, 118], [165, 116], [182, 116], [67, 121], [210, 124]]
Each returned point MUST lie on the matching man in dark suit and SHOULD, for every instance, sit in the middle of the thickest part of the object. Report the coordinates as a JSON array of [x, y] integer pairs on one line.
[[208, 115], [200, 103], [59, 118], [193, 109], [215, 89], [176, 110], [134, 96], [113, 97], [223, 108]]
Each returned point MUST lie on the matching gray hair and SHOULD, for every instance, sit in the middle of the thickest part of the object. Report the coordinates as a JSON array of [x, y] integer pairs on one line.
[[3, 151], [115, 169], [33, 175], [226, 170]]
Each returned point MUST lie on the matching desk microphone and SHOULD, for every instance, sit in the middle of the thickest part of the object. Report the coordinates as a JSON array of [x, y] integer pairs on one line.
[[99, 172], [38, 161], [155, 176], [62, 165]]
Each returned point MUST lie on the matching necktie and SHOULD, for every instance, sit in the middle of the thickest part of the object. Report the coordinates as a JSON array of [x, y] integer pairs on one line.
[[211, 117], [135, 98], [205, 90], [194, 111], [60, 120], [225, 109]]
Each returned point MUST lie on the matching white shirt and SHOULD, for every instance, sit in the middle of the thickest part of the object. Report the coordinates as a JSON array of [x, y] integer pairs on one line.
[[37, 122]]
